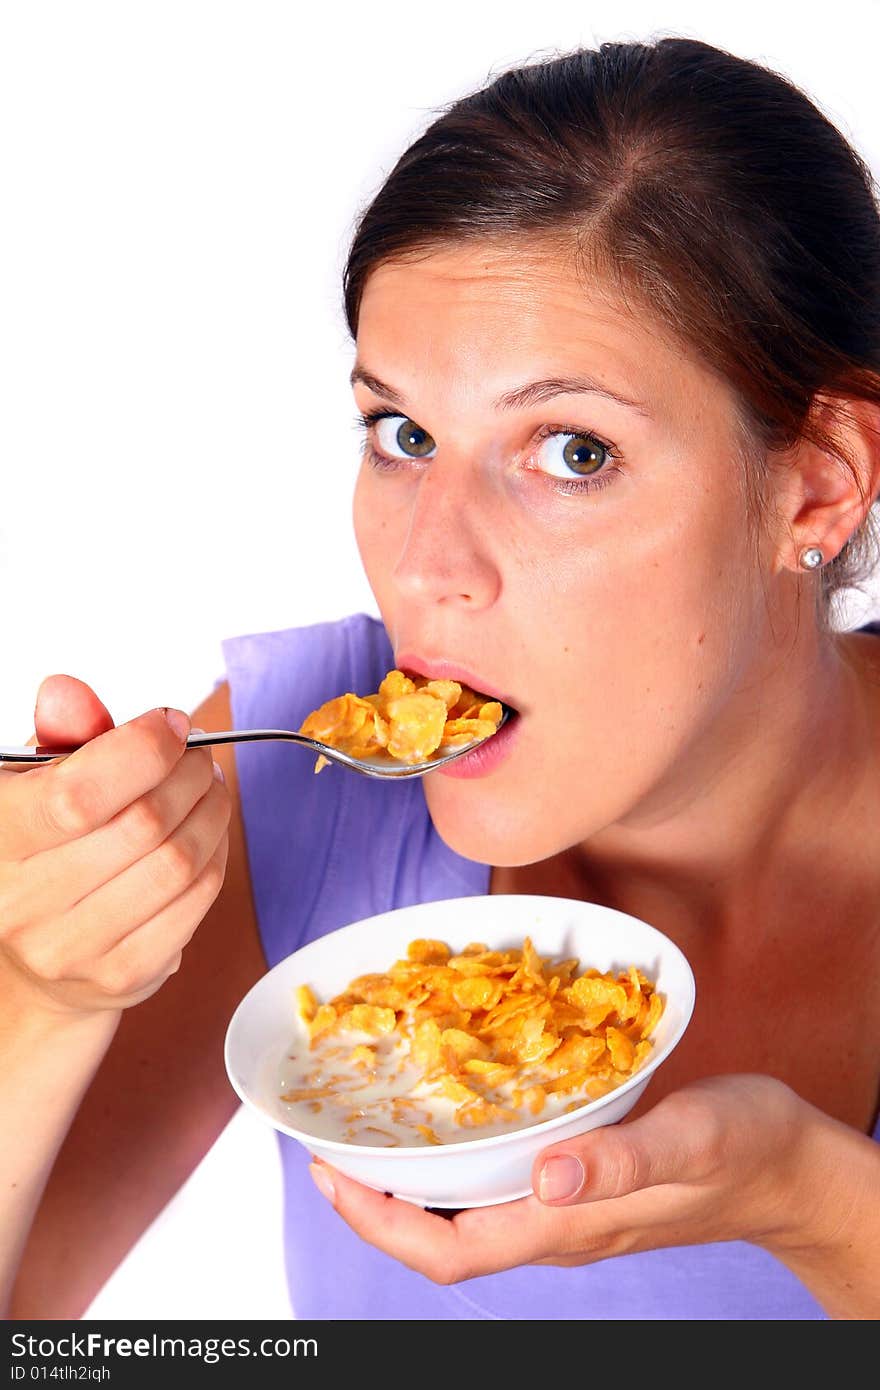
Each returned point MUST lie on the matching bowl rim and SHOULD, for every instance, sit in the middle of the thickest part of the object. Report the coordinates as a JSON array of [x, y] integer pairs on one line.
[[423, 1151]]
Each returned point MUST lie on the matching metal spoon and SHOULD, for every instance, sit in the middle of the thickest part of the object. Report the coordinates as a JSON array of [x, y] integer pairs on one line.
[[370, 767]]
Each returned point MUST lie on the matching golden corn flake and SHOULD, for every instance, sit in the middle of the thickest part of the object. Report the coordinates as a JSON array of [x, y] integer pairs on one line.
[[307, 1003], [428, 952], [495, 1032], [407, 719], [650, 1017], [447, 691], [416, 723], [324, 1019], [448, 1085], [459, 731], [493, 1073], [392, 686], [483, 1112], [426, 1044], [464, 1046], [534, 1097], [478, 992], [369, 1018], [429, 1134], [575, 1052], [620, 1049]]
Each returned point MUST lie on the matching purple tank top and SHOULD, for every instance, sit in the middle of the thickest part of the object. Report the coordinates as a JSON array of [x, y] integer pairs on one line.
[[325, 851]]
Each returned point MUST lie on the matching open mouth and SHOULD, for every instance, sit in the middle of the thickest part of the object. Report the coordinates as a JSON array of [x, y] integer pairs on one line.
[[412, 666]]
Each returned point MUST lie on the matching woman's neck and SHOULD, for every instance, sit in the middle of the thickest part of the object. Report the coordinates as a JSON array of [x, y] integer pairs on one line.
[[785, 776]]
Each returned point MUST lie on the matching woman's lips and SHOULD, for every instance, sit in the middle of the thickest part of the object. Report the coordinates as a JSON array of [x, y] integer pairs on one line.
[[487, 754], [411, 664], [492, 750]]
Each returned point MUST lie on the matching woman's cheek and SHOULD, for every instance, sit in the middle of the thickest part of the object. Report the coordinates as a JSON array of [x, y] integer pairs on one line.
[[371, 523]]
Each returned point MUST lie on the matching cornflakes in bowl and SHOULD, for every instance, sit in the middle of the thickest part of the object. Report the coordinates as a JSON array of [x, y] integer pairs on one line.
[[577, 1053], [443, 1047]]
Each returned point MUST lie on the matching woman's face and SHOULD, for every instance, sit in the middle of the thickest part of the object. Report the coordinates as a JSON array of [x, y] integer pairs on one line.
[[601, 576]]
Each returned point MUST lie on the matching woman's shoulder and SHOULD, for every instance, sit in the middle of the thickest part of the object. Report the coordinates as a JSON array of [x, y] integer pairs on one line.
[[860, 647], [314, 653], [867, 634]]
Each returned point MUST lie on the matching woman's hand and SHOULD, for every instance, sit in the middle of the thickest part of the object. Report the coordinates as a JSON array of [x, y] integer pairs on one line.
[[109, 858], [725, 1158]]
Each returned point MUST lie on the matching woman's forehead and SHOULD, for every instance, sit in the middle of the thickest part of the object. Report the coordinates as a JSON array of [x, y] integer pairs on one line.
[[483, 282], [490, 318]]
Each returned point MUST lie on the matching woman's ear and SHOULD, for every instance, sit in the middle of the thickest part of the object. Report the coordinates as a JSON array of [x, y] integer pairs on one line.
[[823, 496]]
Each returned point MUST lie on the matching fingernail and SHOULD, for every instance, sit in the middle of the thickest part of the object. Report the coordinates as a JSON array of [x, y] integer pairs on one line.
[[178, 721], [561, 1176], [219, 773], [322, 1180]]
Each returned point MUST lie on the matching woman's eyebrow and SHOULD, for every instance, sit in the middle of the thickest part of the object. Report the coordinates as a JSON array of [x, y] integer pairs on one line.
[[531, 393]]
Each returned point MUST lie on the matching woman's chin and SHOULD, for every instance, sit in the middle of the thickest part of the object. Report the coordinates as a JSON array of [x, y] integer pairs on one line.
[[487, 837]]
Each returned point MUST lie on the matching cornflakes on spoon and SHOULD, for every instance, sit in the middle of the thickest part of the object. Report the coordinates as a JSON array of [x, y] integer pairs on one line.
[[407, 719]]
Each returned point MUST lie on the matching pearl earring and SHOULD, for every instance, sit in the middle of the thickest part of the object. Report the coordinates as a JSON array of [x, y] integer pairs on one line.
[[811, 557]]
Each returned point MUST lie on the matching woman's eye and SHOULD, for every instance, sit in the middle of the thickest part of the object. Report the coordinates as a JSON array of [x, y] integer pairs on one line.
[[398, 432], [565, 453], [578, 459]]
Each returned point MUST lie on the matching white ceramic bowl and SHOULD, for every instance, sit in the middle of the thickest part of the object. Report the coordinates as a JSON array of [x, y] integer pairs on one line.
[[475, 1172]]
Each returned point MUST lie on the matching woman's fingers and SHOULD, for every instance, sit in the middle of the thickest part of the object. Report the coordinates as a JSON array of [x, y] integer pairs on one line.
[[478, 1241], [702, 1165], [67, 711], [104, 918], [64, 801], [109, 858], [60, 877], [121, 971]]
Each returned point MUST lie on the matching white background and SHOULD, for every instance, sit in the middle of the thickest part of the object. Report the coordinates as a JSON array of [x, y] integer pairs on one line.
[[179, 183]]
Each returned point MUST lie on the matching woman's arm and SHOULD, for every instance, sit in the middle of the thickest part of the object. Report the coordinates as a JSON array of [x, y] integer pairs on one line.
[[156, 1099], [833, 1240], [47, 1061]]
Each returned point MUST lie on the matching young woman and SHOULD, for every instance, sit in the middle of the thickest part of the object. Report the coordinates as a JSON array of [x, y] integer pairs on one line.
[[617, 324]]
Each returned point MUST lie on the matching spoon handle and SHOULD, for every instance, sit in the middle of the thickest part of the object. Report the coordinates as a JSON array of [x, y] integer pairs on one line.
[[42, 754]]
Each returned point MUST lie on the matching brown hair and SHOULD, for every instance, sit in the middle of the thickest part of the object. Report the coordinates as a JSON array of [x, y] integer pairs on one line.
[[711, 186]]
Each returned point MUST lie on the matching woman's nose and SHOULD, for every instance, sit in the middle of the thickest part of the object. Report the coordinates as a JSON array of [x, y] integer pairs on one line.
[[445, 557]]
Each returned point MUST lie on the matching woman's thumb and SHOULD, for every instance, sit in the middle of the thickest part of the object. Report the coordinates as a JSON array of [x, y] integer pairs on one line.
[[68, 711], [614, 1160]]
